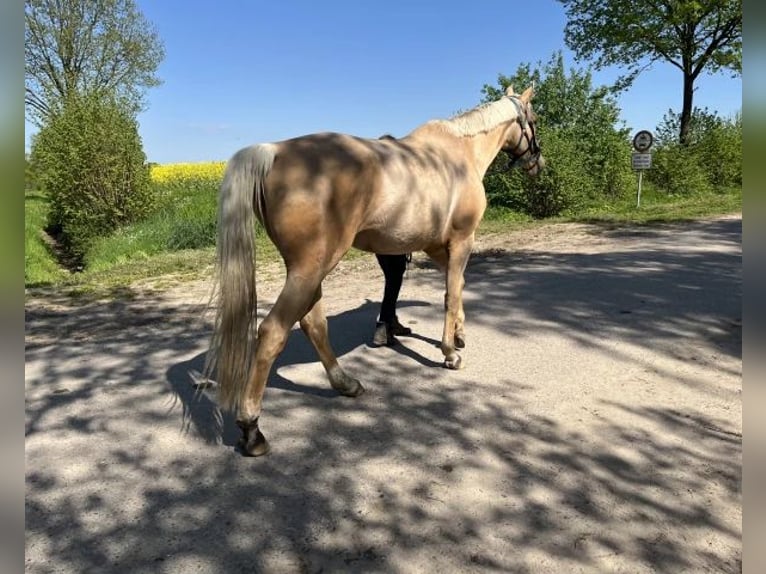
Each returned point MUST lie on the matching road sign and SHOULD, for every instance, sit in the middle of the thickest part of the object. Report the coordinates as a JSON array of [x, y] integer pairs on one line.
[[643, 140], [641, 160]]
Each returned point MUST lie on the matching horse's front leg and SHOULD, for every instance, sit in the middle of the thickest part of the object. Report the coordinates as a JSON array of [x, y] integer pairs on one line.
[[459, 337], [460, 321], [441, 258], [453, 336]]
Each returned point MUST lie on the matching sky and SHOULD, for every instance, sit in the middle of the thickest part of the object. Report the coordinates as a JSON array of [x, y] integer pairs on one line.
[[239, 72]]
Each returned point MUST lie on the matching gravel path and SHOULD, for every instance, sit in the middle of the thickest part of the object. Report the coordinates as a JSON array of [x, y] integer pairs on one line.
[[596, 426]]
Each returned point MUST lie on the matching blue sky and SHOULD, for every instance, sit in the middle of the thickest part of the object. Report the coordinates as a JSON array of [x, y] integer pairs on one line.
[[240, 72]]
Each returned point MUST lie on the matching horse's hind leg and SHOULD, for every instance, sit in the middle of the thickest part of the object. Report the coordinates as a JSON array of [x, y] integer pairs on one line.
[[294, 301], [314, 325]]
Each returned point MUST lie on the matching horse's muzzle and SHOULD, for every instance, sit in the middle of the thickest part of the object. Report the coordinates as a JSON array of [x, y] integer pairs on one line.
[[538, 166]]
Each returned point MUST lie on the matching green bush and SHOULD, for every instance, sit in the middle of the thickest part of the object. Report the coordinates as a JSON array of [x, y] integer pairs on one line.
[[89, 160], [504, 188], [609, 167], [564, 184], [561, 186], [587, 154], [710, 161], [719, 150], [676, 170]]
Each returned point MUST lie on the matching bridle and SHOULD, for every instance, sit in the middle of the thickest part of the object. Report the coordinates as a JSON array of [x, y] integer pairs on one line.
[[530, 156]]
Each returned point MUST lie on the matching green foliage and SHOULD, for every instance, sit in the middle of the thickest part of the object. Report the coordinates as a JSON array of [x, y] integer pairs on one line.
[[504, 189], [565, 184], [587, 154], [29, 175], [188, 215], [87, 47], [677, 171], [561, 186], [692, 35], [710, 160], [704, 33], [89, 160], [183, 225], [720, 151]]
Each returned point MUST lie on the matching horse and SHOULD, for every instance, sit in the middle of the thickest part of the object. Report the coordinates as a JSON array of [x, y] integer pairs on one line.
[[318, 195]]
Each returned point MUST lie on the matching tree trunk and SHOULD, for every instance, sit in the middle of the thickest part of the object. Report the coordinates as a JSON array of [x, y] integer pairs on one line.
[[686, 109]]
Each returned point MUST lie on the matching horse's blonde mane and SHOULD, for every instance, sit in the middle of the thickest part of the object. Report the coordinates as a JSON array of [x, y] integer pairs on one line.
[[481, 119]]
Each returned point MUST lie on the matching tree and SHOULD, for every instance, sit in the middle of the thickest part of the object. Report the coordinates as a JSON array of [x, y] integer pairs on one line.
[[692, 35], [89, 159], [86, 47], [710, 161]]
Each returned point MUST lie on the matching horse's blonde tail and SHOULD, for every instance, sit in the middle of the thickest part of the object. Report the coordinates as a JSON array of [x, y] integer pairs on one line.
[[234, 333]]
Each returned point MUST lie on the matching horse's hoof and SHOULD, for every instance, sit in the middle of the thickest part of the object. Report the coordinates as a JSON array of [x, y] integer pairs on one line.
[[252, 442], [344, 384], [454, 362], [459, 341], [259, 447], [349, 388]]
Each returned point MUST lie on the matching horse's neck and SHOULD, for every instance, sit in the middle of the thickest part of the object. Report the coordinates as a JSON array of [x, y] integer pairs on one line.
[[481, 131], [487, 145], [481, 148]]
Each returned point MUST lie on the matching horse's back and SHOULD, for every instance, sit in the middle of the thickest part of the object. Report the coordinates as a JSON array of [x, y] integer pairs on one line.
[[385, 195], [424, 185]]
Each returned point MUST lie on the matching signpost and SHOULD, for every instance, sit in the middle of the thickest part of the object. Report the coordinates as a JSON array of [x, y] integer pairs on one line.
[[641, 158]]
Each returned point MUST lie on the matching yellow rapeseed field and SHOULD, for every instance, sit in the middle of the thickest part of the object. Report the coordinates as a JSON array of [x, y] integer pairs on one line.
[[184, 173]]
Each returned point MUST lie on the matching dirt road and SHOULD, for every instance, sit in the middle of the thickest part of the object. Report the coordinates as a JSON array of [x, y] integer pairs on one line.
[[596, 426]]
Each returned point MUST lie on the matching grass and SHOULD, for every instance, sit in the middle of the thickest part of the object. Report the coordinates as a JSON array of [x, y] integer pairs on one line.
[[656, 207], [40, 266], [189, 227], [177, 243]]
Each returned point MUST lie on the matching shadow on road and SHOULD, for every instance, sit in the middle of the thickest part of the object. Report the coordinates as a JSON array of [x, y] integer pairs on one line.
[[361, 485]]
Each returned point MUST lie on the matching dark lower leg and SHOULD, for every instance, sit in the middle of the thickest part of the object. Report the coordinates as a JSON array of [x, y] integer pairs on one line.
[[252, 442], [393, 267]]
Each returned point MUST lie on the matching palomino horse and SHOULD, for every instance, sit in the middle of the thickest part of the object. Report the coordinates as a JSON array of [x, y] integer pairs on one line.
[[318, 195]]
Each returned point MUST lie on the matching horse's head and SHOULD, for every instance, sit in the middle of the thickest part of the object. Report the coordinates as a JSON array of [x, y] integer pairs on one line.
[[521, 144]]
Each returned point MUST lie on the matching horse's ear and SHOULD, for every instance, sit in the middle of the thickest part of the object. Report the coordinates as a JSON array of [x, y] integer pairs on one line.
[[509, 91], [528, 93]]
